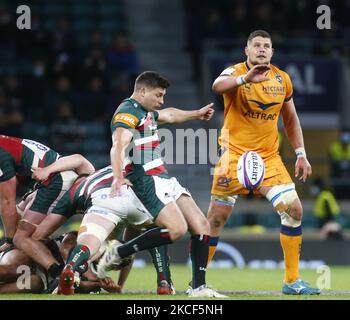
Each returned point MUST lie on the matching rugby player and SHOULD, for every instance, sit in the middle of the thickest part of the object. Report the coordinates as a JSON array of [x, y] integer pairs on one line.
[[90, 195], [18, 157], [170, 205], [255, 94], [20, 274]]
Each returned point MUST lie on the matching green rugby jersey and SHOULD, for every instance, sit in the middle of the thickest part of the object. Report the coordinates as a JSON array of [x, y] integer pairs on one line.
[[18, 156], [79, 197], [146, 152]]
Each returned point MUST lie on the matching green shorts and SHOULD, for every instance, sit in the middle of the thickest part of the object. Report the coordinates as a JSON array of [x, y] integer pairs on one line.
[[156, 192], [47, 196]]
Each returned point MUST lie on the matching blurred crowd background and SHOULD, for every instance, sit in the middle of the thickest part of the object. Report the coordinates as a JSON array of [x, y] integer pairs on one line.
[[61, 81]]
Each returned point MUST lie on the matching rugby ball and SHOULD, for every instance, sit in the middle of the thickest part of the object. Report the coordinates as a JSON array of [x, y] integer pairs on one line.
[[250, 170]]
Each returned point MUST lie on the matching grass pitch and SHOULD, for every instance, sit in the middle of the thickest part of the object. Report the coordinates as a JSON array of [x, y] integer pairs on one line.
[[238, 284]]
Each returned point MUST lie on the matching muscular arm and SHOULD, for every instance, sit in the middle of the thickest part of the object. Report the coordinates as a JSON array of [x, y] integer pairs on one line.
[[291, 124], [174, 115], [74, 162], [225, 83], [294, 134], [8, 206], [121, 139]]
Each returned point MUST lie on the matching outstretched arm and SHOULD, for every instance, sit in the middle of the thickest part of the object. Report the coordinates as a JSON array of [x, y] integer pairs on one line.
[[295, 136], [174, 115], [74, 162]]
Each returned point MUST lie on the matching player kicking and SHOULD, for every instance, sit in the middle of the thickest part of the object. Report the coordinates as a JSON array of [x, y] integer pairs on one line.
[[170, 205], [18, 157], [255, 93]]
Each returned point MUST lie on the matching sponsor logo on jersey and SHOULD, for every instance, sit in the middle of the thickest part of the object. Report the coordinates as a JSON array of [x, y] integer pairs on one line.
[[1, 173], [126, 118], [260, 115], [274, 90], [264, 106]]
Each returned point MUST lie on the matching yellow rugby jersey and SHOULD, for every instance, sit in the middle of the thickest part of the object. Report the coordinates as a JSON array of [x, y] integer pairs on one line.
[[251, 112]]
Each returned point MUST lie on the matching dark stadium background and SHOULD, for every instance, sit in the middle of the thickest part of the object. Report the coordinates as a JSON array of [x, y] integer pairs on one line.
[[61, 81]]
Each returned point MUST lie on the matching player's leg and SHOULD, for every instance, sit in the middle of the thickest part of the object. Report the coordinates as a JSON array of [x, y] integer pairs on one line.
[[287, 204], [48, 226], [93, 231], [41, 203], [160, 259], [199, 246], [199, 228], [220, 209], [32, 284], [171, 227], [129, 233], [225, 188], [36, 250], [10, 261], [12, 278], [279, 189]]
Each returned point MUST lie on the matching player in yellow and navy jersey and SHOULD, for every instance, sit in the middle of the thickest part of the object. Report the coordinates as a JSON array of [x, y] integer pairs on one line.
[[255, 94]]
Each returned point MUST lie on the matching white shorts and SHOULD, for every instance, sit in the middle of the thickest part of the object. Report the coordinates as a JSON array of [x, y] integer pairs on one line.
[[169, 190], [124, 208]]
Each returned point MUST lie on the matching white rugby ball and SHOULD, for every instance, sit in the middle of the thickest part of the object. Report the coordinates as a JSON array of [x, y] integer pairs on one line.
[[250, 170]]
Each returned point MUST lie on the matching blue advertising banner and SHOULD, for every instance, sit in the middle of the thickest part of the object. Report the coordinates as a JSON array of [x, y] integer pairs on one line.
[[316, 81]]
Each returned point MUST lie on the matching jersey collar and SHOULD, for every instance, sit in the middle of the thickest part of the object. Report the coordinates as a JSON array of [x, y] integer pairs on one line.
[[138, 104]]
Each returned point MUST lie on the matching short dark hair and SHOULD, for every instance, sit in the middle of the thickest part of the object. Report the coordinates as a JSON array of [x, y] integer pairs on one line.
[[259, 33], [151, 79]]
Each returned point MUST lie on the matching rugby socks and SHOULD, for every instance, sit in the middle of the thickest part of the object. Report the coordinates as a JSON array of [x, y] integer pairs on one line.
[[152, 238], [213, 243], [199, 250], [160, 260], [83, 268], [291, 239], [55, 270], [78, 258]]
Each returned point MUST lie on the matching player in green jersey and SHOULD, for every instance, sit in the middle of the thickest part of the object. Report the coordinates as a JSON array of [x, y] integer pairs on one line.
[[172, 207]]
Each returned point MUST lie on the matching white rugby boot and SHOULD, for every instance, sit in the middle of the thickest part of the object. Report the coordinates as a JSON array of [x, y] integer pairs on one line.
[[205, 291]]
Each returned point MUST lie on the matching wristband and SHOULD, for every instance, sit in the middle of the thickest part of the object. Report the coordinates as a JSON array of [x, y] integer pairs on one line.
[[300, 152], [8, 240], [240, 80]]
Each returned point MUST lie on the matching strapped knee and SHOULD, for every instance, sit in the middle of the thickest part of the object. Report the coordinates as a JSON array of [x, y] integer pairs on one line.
[[93, 229], [227, 200], [282, 198]]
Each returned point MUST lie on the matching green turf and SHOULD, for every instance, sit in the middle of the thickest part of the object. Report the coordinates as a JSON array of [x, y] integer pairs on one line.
[[236, 281]]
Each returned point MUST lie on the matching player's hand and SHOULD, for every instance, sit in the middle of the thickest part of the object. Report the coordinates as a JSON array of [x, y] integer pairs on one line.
[[207, 112], [109, 285], [302, 166], [257, 74], [40, 174], [117, 184]]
